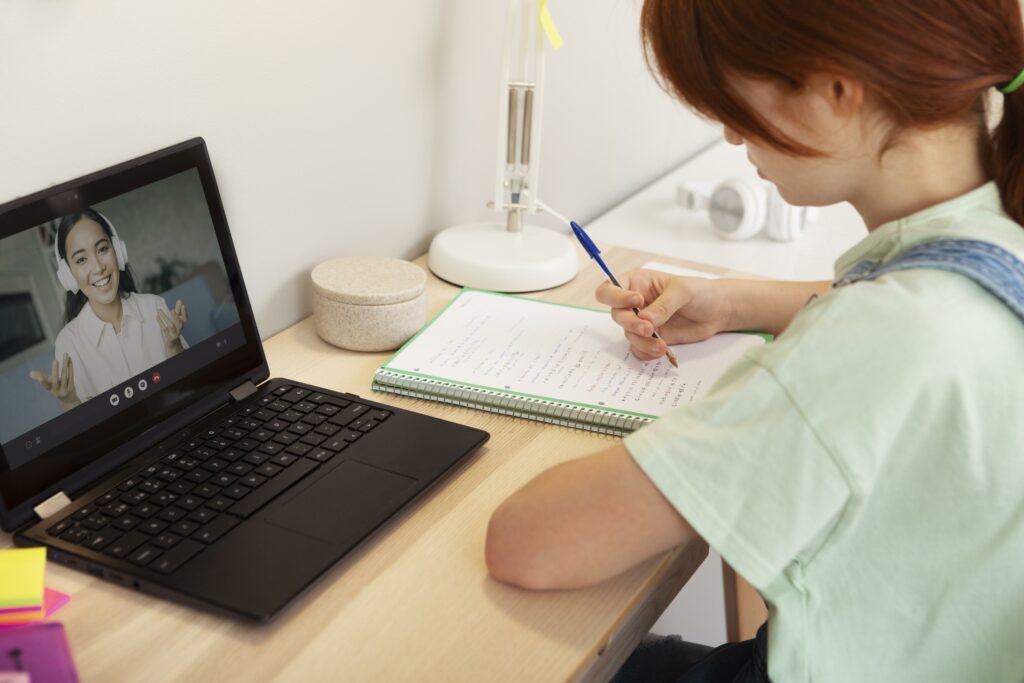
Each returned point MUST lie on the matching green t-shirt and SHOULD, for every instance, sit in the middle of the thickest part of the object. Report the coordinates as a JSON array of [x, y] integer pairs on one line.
[[865, 471]]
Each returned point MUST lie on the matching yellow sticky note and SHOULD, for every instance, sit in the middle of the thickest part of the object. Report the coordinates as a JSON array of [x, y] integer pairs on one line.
[[548, 25], [21, 578]]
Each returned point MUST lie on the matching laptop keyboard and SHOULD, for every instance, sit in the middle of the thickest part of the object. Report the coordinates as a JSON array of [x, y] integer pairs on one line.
[[166, 514]]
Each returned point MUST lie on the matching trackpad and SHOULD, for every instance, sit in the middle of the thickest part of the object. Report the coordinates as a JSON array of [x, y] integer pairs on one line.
[[345, 505]]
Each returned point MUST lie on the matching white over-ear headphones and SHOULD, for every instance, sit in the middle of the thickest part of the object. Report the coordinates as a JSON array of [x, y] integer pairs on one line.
[[739, 209], [64, 275]]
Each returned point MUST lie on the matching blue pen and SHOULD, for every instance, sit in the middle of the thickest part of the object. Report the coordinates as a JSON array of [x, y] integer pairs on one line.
[[594, 252]]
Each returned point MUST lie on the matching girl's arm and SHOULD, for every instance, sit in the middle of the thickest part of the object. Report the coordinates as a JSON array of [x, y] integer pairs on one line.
[[580, 523], [768, 306]]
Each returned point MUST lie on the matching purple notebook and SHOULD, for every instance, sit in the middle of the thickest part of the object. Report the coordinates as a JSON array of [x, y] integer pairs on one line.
[[39, 649]]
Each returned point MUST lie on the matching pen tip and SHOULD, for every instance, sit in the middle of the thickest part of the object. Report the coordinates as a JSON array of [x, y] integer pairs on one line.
[[672, 359]]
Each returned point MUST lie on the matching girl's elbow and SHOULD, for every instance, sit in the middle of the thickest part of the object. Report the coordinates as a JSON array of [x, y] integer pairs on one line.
[[510, 556]]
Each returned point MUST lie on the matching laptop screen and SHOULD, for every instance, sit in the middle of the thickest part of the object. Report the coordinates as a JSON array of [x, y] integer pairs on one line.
[[120, 303]]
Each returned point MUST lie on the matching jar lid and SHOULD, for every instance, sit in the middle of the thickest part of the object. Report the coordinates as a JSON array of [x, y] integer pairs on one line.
[[368, 280]]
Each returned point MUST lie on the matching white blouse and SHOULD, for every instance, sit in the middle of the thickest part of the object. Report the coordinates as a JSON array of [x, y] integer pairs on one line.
[[103, 358]]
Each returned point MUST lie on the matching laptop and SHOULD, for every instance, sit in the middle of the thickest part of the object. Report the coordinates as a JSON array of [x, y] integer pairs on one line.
[[142, 440]]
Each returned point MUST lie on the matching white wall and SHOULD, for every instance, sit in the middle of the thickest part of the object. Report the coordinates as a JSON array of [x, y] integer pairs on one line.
[[334, 126]]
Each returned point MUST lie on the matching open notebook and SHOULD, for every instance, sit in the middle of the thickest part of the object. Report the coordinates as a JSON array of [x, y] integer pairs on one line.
[[560, 364]]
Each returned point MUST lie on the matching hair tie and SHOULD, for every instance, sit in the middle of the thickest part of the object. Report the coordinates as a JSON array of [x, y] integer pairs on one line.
[[1014, 84]]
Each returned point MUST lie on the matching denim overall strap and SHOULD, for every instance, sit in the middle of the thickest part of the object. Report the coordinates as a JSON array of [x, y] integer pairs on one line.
[[991, 266]]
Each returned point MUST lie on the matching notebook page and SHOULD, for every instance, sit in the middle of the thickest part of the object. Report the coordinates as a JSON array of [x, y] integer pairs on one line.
[[562, 353]]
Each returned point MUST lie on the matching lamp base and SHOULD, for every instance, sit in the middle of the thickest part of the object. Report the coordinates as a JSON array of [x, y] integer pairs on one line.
[[488, 256]]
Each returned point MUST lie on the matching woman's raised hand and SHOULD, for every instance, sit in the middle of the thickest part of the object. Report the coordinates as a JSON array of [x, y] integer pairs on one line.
[[60, 382], [682, 309], [171, 327]]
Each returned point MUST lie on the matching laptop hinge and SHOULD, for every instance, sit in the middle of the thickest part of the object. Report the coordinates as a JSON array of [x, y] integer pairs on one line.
[[52, 505], [243, 390]]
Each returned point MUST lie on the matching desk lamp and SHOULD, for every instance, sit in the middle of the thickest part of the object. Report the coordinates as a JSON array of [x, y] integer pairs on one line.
[[512, 256]]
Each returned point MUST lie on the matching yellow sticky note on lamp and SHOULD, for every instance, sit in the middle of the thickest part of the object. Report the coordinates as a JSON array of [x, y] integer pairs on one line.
[[21, 580], [548, 24]]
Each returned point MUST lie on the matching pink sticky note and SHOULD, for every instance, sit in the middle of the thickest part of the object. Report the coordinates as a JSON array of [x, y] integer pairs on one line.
[[52, 601]]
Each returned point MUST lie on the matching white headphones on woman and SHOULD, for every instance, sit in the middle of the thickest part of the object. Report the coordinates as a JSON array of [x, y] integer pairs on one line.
[[740, 209], [64, 275]]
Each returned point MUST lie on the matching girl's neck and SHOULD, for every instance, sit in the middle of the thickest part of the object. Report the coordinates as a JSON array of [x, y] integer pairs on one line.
[[922, 169], [109, 313]]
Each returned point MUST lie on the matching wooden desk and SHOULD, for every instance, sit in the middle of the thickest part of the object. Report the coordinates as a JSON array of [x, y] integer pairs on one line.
[[413, 604]]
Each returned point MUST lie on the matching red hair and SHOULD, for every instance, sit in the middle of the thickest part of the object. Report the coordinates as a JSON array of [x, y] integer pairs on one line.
[[926, 63]]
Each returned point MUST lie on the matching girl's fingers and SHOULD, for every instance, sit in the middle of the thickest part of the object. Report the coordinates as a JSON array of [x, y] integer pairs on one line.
[[617, 297], [627, 320], [184, 315], [43, 380], [646, 347]]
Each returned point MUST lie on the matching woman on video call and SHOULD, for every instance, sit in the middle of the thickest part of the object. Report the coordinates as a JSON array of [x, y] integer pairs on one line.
[[112, 332]]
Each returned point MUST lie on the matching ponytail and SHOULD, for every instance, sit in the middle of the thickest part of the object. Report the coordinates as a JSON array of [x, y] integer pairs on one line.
[[1007, 155]]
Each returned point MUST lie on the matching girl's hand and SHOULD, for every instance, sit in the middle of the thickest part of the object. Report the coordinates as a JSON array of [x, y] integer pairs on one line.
[[171, 327], [60, 382], [683, 309]]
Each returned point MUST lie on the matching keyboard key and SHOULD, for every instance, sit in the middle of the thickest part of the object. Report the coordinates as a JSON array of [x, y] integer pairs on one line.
[[96, 521], [199, 475], [328, 429], [278, 406], [271, 448], [215, 464], [222, 479], [133, 497], [202, 515], [168, 474], [177, 556], [60, 527], [231, 454], [281, 391], [218, 444], [75, 534], [204, 453], [207, 490], [297, 449], [300, 428], [190, 502], [152, 485], [186, 463], [181, 487], [166, 540], [125, 523], [240, 469], [314, 419], [268, 469], [233, 434], [101, 539], [263, 495], [304, 407], [171, 514], [380, 415], [220, 503], [252, 480], [290, 416], [127, 543], [313, 439], [295, 395], [184, 527], [145, 555], [335, 444], [286, 438], [284, 459], [84, 512], [130, 483], [263, 416], [119, 508], [321, 455], [262, 435], [106, 498], [349, 435], [237, 491], [328, 410], [146, 510], [165, 498], [247, 444], [275, 425], [152, 526]]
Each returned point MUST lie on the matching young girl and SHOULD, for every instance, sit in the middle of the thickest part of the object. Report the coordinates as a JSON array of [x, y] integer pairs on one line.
[[865, 471], [112, 331]]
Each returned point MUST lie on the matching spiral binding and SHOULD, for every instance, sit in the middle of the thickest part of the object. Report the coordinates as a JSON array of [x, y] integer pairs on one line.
[[550, 412]]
